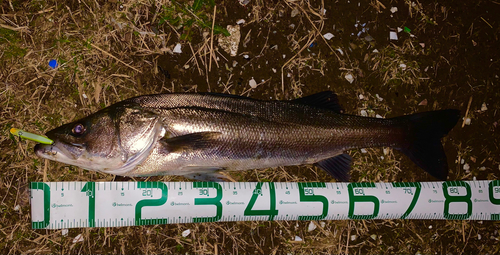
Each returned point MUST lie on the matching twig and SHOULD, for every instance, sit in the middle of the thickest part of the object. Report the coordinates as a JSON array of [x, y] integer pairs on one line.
[[467, 112], [212, 42], [103, 51]]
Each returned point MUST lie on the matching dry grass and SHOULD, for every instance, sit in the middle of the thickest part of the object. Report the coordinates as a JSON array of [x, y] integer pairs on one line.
[[109, 51]]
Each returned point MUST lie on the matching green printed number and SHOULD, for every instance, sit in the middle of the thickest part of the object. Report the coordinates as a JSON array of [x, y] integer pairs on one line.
[[150, 202], [209, 201], [407, 186], [307, 195], [89, 190], [272, 207], [494, 188], [357, 195], [453, 188], [46, 204]]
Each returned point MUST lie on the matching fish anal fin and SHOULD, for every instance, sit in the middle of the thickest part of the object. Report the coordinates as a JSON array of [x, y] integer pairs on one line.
[[205, 174], [192, 141], [324, 100], [337, 166]]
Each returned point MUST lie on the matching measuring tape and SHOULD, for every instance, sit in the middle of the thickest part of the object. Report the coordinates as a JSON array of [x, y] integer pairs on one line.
[[56, 205]]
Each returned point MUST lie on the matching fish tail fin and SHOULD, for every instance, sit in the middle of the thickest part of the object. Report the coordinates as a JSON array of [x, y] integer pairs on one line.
[[423, 142]]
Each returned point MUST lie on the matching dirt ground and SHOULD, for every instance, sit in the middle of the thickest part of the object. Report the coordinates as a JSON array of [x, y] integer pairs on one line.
[[446, 56]]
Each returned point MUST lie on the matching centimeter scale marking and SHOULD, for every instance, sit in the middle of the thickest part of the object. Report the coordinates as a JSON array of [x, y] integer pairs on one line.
[[56, 205]]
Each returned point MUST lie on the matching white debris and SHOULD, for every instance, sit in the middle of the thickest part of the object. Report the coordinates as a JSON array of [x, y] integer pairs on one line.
[[274, 70], [292, 26], [341, 51], [402, 66], [430, 226], [298, 239], [17, 207], [230, 43], [354, 237], [374, 237], [386, 151], [361, 97], [64, 231], [375, 51], [394, 9], [78, 238], [364, 113], [246, 56], [349, 77], [364, 151], [378, 116], [379, 98], [84, 96], [466, 167], [295, 12], [311, 226], [483, 107], [177, 48], [322, 224], [284, 56], [186, 66], [478, 236], [240, 21], [328, 36], [252, 83], [382, 157], [235, 63], [467, 121], [393, 35], [399, 30], [462, 161], [186, 232]]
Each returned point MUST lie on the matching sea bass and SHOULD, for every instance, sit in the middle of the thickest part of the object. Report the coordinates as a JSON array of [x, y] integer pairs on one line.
[[199, 134]]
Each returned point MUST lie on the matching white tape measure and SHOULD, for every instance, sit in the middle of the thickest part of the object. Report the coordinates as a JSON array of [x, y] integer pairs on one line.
[[58, 205]]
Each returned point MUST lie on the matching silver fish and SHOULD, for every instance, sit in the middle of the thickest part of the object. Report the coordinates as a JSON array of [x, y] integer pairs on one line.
[[196, 135]]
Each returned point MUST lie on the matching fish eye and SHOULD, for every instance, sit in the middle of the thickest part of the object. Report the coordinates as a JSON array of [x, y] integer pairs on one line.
[[78, 129]]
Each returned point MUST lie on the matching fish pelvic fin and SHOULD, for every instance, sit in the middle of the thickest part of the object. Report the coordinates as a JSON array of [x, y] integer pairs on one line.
[[194, 141], [323, 100], [423, 142], [338, 167]]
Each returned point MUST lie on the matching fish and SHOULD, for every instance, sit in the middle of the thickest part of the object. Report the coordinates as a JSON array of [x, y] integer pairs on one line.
[[198, 135]]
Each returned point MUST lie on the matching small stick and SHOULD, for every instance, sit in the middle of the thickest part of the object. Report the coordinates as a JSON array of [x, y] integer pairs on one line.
[[467, 112], [212, 41], [103, 51]]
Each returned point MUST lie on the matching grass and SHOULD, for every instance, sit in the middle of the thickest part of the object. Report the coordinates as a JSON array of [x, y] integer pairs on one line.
[[109, 51]]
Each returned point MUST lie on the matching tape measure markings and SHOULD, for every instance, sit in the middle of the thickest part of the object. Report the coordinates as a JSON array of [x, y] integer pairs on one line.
[[99, 204]]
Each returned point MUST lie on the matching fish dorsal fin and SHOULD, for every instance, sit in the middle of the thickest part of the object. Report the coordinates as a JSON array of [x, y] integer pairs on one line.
[[192, 141], [324, 100], [337, 166]]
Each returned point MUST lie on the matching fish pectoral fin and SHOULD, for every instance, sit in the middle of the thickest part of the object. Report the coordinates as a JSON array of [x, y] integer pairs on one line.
[[337, 166], [205, 174], [192, 141], [324, 100]]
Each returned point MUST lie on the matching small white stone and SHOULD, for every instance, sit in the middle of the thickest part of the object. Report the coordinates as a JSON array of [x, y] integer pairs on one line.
[[17, 207], [311, 226], [430, 226], [378, 116], [349, 77], [382, 157], [364, 151], [252, 83], [399, 30], [64, 231], [393, 35], [379, 98], [354, 237], [478, 236], [186, 232], [375, 51], [341, 51], [394, 9], [78, 238], [374, 237], [322, 224], [386, 151], [298, 239], [364, 113], [482, 168], [246, 56], [361, 97], [462, 161], [483, 107], [284, 56], [274, 70], [84, 96], [402, 66], [240, 21], [295, 12], [466, 167], [328, 36], [467, 121], [235, 63], [177, 48], [186, 66]]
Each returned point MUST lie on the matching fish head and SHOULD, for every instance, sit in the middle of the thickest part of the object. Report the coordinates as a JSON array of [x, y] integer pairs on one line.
[[113, 140]]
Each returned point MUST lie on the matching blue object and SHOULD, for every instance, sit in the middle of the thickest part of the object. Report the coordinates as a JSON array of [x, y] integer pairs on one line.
[[53, 63]]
